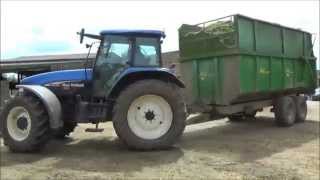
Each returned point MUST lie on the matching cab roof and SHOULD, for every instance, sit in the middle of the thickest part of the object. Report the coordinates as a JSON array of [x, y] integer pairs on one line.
[[147, 33]]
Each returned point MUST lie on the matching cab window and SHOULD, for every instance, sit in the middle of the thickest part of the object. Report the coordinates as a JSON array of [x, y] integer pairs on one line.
[[114, 50], [146, 52]]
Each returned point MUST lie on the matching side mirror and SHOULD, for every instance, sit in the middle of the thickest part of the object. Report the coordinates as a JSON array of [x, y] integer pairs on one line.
[[81, 33], [88, 45]]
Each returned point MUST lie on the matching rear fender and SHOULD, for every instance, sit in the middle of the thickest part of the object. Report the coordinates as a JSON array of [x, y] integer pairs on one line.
[[134, 74], [51, 102]]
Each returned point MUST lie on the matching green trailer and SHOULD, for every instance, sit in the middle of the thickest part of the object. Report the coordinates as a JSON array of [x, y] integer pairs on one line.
[[236, 65]]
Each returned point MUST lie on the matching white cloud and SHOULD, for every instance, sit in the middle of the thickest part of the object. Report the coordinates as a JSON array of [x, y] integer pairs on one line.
[[26, 23]]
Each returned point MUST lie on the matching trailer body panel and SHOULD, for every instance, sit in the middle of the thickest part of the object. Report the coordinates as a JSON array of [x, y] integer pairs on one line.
[[239, 59]]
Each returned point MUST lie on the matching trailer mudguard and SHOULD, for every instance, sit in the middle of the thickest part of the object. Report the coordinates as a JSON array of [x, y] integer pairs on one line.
[[51, 102]]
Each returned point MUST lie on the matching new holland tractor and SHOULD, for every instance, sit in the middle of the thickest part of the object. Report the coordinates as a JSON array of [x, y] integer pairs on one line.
[[126, 85]]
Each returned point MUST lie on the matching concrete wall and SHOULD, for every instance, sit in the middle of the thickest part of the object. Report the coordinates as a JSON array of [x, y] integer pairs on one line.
[[170, 58]]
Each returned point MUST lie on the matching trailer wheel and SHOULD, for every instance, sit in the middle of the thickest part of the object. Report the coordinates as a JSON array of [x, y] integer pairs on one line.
[[301, 108], [25, 124], [68, 127], [285, 111], [149, 114]]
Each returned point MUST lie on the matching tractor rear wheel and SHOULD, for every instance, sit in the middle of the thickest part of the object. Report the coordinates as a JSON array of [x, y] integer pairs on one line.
[[285, 111], [149, 114], [25, 124]]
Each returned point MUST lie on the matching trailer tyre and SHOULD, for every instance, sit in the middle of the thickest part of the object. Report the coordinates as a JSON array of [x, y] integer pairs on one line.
[[285, 111], [301, 108], [149, 114], [25, 124]]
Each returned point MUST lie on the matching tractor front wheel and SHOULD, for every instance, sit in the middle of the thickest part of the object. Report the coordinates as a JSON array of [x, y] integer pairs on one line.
[[25, 124], [149, 114]]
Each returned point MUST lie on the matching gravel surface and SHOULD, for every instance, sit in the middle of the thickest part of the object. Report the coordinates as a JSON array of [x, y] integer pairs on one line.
[[253, 149]]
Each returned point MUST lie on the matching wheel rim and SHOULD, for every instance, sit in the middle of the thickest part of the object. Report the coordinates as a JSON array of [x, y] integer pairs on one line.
[[150, 116], [18, 123]]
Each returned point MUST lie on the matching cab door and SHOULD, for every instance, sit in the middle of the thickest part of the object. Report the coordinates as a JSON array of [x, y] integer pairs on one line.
[[113, 57]]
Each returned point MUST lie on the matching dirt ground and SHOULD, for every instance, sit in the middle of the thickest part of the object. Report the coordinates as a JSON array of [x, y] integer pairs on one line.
[[253, 149]]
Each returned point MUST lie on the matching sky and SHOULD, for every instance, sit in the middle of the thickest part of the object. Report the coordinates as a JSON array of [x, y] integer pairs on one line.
[[47, 27]]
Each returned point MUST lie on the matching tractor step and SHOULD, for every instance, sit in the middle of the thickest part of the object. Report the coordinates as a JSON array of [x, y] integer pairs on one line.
[[97, 129], [94, 130]]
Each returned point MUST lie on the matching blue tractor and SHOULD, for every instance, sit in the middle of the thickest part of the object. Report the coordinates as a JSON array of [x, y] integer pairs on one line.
[[127, 85]]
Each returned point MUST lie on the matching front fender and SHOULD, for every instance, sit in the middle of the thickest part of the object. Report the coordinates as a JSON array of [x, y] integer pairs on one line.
[[51, 102]]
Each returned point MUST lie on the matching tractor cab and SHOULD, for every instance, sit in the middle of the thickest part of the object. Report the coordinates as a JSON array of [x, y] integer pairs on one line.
[[120, 50], [130, 47]]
